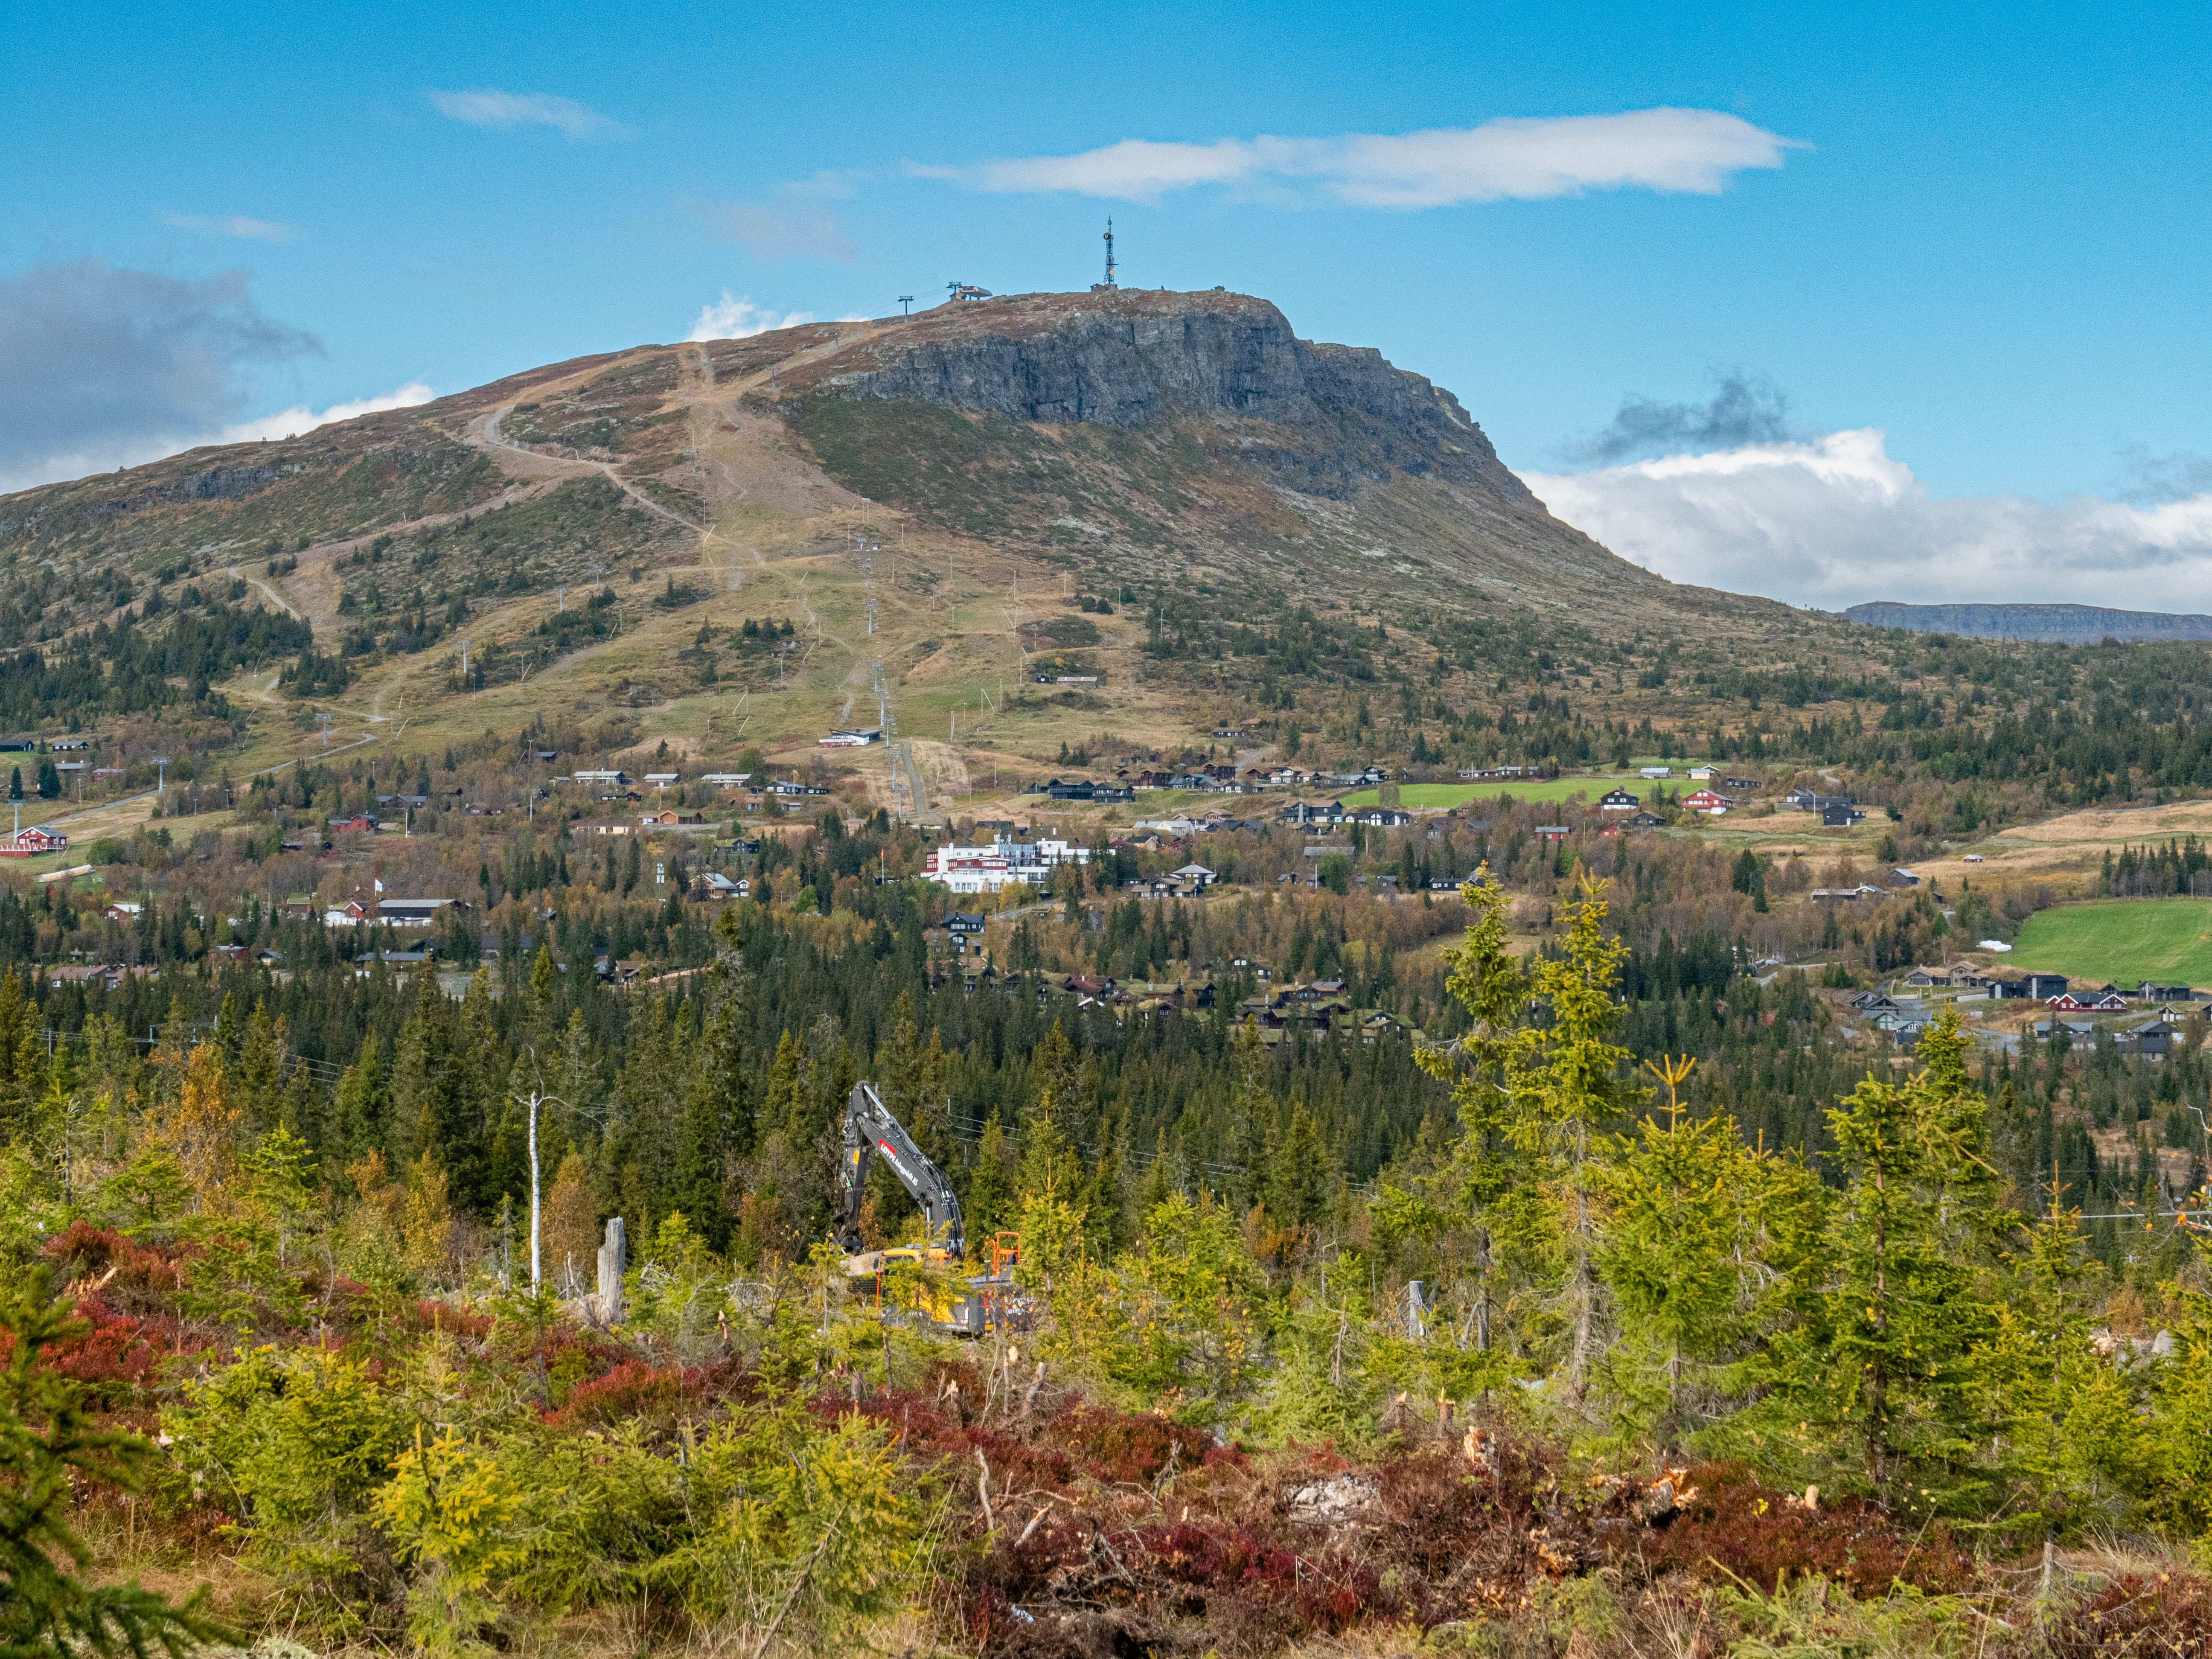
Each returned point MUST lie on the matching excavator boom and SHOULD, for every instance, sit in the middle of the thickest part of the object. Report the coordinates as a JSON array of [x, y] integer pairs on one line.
[[870, 1130]]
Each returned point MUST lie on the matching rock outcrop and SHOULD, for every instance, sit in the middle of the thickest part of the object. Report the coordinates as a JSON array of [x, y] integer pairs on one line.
[[1139, 357]]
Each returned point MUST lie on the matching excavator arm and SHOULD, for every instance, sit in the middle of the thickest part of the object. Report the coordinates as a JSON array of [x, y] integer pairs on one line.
[[869, 1129]]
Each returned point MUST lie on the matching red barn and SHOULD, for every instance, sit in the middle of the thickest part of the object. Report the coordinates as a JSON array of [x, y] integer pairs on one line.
[[29, 843]]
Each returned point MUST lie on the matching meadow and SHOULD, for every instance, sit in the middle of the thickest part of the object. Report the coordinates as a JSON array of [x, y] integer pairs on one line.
[[1539, 789], [2122, 940]]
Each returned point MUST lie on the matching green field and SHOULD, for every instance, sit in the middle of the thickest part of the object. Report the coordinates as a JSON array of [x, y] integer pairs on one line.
[[2122, 940], [1554, 789]]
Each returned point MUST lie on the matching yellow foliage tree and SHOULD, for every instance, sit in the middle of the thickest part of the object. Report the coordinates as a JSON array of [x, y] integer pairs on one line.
[[427, 1224], [571, 1224], [202, 1131]]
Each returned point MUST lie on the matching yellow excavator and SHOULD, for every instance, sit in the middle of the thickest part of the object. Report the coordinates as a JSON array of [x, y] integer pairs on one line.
[[981, 1303]]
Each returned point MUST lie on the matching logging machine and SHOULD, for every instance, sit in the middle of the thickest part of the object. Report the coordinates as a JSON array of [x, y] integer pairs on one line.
[[969, 1307]]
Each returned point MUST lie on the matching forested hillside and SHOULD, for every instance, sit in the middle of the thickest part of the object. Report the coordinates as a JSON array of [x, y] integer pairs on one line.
[[1585, 1347], [1474, 1217]]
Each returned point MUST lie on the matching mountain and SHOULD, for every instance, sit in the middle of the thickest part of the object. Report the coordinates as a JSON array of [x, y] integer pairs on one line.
[[2069, 625], [1128, 426], [1137, 488], [1168, 435]]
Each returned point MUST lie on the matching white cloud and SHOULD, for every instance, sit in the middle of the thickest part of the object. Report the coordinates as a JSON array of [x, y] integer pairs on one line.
[[1513, 158], [101, 366], [138, 450], [737, 317], [1835, 520], [230, 224], [487, 106], [291, 422]]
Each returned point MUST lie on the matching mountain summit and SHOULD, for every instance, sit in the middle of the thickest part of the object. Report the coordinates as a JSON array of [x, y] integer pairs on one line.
[[1132, 426], [1194, 424], [1183, 464]]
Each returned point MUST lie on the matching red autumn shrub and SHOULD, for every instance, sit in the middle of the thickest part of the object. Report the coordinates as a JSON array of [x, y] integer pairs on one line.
[[1126, 1447], [930, 1433], [1736, 1525], [632, 1389], [1256, 1588], [113, 1357], [2165, 1617], [1437, 1514], [135, 1280]]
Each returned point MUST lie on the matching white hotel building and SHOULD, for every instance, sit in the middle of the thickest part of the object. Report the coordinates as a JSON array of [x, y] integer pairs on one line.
[[988, 869]]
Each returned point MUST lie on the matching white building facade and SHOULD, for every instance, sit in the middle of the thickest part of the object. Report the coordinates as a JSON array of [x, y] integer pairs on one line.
[[988, 869]]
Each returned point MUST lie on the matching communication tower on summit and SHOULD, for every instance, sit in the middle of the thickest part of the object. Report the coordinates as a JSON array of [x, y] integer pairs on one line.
[[1108, 285]]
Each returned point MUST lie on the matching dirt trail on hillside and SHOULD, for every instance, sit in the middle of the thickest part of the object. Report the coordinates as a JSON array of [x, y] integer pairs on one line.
[[486, 433], [268, 593]]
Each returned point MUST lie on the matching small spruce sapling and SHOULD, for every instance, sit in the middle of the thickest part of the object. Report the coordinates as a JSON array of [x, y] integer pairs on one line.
[[47, 1610]]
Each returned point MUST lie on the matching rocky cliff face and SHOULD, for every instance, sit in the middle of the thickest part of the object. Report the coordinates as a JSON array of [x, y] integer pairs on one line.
[[1130, 433], [1138, 357]]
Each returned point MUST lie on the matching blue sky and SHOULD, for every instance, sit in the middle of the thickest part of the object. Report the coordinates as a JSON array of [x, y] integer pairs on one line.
[[1978, 234]]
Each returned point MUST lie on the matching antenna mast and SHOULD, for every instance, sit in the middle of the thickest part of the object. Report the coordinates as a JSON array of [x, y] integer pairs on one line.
[[1110, 254]]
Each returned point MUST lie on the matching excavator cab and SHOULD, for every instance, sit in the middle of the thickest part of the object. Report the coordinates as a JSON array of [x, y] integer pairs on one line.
[[963, 1306]]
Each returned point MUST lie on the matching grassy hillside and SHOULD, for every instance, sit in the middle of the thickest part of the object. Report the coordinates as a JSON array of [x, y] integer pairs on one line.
[[2122, 941], [1338, 571], [1447, 795]]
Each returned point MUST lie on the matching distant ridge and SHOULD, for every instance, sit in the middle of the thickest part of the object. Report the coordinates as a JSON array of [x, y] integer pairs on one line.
[[2068, 624]]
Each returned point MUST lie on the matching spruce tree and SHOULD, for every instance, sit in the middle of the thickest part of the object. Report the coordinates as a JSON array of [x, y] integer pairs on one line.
[[47, 1610], [1702, 1231], [359, 1110], [1568, 1095], [1880, 1372], [783, 1107], [1477, 1208], [1297, 1175], [1049, 1168], [990, 1188], [1667, 1257]]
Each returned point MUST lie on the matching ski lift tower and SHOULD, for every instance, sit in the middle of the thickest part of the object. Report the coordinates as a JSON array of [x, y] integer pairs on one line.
[[867, 552]]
